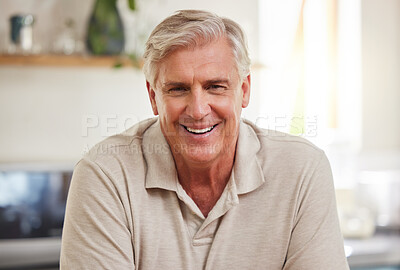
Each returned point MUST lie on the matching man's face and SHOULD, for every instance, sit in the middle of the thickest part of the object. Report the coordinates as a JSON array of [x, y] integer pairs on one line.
[[199, 97]]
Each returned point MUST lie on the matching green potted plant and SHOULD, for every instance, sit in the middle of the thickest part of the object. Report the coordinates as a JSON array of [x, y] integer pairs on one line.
[[105, 34]]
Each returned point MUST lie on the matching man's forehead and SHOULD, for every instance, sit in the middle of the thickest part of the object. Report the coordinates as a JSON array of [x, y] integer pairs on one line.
[[212, 62], [207, 75]]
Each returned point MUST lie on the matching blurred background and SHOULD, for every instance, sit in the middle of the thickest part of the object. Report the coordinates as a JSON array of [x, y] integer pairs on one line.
[[327, 70]]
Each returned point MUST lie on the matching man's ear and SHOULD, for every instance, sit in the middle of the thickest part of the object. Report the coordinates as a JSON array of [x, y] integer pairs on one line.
[[246, 91], [152, 97]]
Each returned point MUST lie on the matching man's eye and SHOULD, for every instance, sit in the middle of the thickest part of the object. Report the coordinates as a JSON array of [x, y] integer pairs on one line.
[[177, 89], [216, 87]]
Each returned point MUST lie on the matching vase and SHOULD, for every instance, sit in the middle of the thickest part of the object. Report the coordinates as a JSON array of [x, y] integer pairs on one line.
[[105, 34]]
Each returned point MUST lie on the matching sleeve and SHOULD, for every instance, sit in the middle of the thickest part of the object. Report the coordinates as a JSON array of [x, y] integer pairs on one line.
[[96, 233], [316, 241]]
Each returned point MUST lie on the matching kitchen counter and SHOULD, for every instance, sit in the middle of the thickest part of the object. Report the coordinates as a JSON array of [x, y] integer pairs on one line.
[[32, 254], [380, 251], [383, 249]]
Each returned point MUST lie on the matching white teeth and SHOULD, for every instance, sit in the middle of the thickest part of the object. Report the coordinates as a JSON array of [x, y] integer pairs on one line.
[[199, 131]]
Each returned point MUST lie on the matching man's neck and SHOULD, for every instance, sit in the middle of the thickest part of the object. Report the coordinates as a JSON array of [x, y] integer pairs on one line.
[[204, 183]]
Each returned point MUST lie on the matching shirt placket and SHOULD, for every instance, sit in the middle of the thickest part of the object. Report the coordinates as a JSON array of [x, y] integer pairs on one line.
[[202, 230]]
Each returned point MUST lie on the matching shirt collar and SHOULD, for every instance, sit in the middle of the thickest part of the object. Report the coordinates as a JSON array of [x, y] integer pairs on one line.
[[161, 171], [248, 174]]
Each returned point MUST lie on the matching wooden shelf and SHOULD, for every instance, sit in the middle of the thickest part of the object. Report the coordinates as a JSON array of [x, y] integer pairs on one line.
[[64, 60], [76, 61]]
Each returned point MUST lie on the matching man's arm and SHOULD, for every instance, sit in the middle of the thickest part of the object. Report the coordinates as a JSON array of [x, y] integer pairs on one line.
[[316, 241], [96, 233]]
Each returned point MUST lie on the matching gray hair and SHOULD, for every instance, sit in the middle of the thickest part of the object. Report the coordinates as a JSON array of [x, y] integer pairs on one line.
[[189, 29]]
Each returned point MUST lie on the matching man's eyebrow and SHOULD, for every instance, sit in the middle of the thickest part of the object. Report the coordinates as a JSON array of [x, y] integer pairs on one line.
[[172, 83], [183, 84], [217, 81]]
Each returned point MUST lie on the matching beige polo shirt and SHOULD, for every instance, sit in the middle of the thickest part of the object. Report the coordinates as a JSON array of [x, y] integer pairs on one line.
[[127, 210]]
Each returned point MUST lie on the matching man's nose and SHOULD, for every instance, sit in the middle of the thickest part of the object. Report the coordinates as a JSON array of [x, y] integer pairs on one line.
[[198, 104]]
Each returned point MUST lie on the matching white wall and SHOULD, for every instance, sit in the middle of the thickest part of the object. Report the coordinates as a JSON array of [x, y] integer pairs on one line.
[[44, 111], [381, 75]]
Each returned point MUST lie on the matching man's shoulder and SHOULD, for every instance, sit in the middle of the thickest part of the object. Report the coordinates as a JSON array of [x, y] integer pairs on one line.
[[127, 142], [120, 156], [275, 143]]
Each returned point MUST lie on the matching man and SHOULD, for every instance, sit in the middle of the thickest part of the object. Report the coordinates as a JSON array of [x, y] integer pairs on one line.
[[197, 187]]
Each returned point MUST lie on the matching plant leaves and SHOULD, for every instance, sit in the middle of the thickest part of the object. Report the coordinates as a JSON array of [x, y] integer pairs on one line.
[[132, 4]]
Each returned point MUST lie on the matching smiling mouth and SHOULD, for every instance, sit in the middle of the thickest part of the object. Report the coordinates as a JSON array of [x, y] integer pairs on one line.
[[199, 131]]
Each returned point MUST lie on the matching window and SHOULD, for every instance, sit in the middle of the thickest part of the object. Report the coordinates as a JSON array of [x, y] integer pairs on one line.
[[311, 83]]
